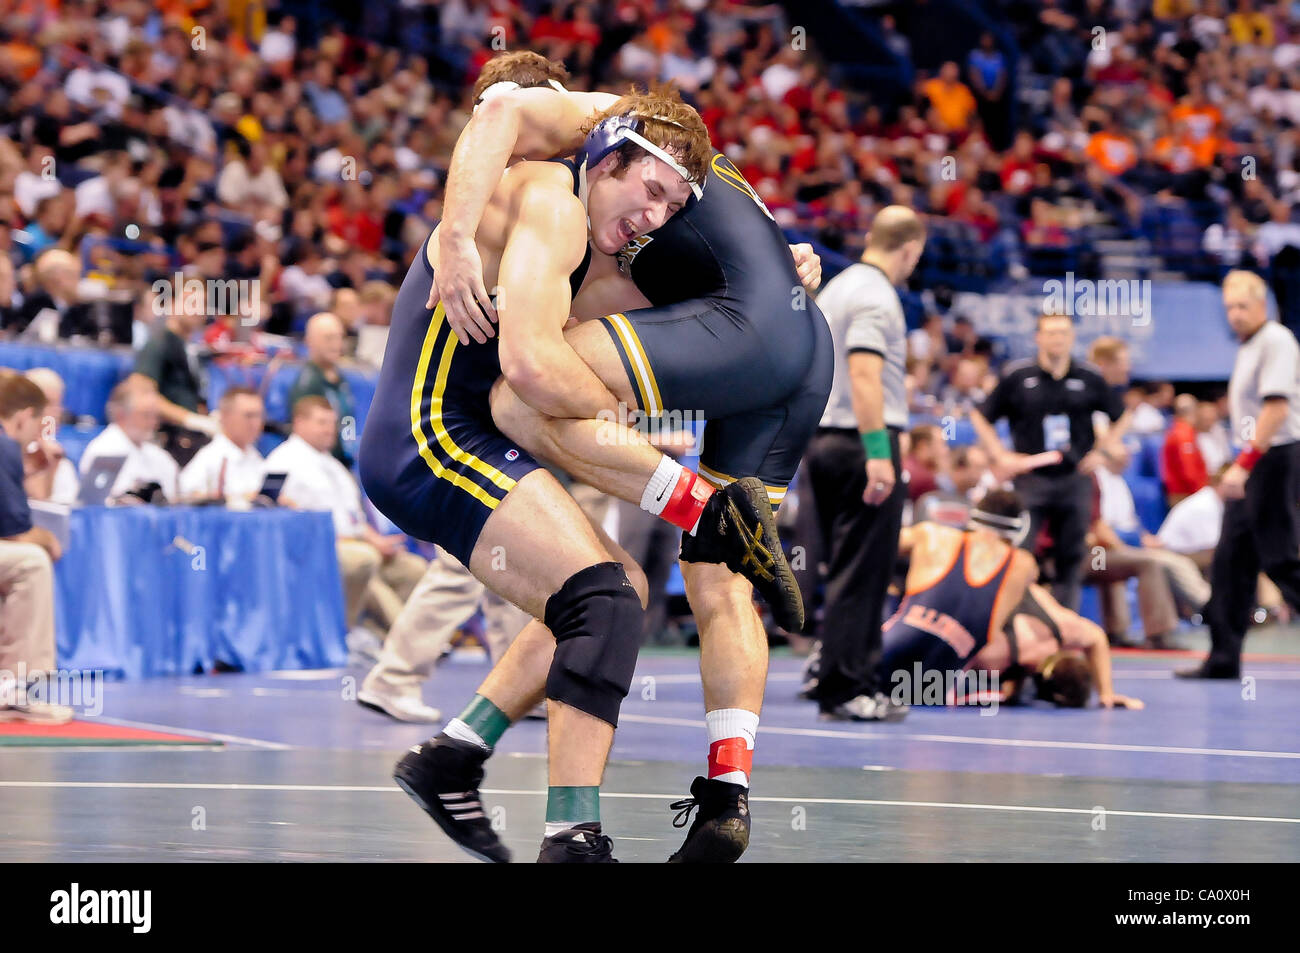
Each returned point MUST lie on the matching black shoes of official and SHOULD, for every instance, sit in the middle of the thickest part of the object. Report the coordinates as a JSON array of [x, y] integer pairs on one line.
[[1206, 670], [580, 844], [443, 776], [737, 528], [720, 833]]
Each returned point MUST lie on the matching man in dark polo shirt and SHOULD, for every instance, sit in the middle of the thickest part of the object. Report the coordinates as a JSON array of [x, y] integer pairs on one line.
[[1049, 402], [27, 554], [165, 360], [320, 377]]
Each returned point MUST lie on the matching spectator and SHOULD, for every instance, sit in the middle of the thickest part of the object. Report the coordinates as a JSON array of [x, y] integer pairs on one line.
[[1212, 435], [1149, 399], [951, 99], [134, 413], [1191, 527], [54, 309], [1114, 562], [1111, 149], [1110, 356], [56, 481], [378, 572], [1249, 26], [1275, 234], [926, 460], [248, 182], [987, 70], [166, 361], [1182, 468], [27, 554], [229, 467], [320, 376]]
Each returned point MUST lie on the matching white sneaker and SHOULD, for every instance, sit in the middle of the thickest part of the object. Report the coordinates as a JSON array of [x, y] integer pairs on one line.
[[37, 713], [363, 647], [401, 707], [867, 708]]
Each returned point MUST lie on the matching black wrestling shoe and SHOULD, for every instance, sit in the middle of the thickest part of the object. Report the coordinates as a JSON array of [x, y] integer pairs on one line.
[[720, 833], [580, 844], [442, 776], [737, 528]]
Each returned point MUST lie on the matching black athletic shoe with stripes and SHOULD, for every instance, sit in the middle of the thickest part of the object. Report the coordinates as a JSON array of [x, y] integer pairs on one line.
[[720, 833], [738, 529], [443, 776], [580, 844]]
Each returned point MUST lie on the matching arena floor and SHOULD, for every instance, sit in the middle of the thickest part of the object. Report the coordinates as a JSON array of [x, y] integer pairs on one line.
[[303, 774]]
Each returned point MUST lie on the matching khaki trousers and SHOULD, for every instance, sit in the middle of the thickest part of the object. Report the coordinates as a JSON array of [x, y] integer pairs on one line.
[[26, 607]]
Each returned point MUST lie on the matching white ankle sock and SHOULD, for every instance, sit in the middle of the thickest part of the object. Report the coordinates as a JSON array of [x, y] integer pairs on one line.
[[462, 732], [728, 729]]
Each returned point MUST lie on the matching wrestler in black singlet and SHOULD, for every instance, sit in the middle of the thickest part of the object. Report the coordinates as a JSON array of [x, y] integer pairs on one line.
[[733, 336]]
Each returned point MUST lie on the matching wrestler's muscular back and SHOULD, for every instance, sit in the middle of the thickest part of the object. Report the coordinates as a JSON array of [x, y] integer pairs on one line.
[[935, 548]]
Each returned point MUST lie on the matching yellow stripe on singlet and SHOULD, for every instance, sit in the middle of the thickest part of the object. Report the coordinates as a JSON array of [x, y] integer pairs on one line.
[[435, 421], [643, 374], [775, 494]]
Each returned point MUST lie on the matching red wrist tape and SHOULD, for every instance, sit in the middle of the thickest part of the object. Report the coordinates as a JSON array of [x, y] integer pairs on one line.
[[730, 754], [1249, 457], [684, 507]]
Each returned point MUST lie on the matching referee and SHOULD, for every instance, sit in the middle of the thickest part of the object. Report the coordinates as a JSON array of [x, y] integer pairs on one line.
[[854, 466], [1049, 402], [1261, 490]]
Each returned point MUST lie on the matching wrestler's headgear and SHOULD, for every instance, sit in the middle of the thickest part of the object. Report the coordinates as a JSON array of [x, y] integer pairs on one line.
[[608, 134], [1013, 529]]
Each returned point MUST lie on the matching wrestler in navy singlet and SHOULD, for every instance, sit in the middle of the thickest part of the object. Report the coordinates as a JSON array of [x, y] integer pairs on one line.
[[431, 458]]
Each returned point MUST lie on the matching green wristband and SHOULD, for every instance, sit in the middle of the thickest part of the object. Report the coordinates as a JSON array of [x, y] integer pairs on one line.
[[877, 444]]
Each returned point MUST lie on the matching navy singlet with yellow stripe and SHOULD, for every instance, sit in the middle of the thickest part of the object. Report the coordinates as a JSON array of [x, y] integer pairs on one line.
[[431, 459]]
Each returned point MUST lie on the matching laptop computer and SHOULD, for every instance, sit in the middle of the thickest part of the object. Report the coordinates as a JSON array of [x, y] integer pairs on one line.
[[97, 482], [52, 516], [272, 485]]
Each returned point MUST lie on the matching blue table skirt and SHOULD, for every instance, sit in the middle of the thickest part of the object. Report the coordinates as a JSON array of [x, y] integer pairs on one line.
[[160, 590], [89, 374]]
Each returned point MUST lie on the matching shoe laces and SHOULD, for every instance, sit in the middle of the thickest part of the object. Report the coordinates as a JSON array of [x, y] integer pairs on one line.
[[683, 809]]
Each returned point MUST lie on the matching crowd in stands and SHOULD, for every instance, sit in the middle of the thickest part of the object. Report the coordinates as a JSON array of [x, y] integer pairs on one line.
[[229, 141]]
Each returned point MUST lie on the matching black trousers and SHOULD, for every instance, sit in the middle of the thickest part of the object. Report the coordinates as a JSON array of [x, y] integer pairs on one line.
[[1260, 533], [1064, 503], [862, 544]]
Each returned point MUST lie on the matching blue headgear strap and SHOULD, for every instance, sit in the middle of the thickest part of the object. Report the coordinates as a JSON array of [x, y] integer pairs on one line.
[[609, 134]]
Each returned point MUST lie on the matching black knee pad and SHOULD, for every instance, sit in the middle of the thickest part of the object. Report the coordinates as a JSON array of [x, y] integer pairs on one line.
[[596, 618]]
